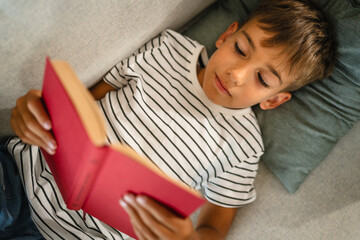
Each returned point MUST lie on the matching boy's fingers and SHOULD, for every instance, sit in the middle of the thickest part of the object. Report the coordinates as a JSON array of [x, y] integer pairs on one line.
[[34, 127], [36, 118], [167, 223], [28, 136], [158, 212], [37, 109], [158, 228], [155, 227], [139, 227], [31, 138], [45, 136], [139, 234], [31, 122]]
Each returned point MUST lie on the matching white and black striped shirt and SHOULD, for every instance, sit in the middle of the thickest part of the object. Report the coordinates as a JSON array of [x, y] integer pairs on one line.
[[160, 111]]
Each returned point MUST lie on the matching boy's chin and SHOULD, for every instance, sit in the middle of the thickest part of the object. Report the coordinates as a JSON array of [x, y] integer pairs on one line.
[[239, 106]]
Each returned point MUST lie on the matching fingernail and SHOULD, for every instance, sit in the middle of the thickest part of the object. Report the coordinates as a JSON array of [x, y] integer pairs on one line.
[[123, 203], [47, 125], [52, 145], [141, 199], [50, 151], [128, 198]]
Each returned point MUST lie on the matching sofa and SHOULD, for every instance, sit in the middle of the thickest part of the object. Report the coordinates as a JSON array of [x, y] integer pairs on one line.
[[94, 35]]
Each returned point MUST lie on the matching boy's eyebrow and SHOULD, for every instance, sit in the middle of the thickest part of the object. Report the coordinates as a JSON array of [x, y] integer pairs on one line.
[[273, 70], [249, 39]]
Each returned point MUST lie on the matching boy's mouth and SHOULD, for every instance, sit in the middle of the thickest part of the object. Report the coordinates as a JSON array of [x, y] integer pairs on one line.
[[221, 86]]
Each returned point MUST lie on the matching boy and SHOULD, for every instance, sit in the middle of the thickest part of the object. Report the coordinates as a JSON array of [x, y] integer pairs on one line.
[[194, 122]]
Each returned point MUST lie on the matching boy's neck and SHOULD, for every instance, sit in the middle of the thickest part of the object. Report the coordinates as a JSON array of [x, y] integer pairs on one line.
[[200, 75]]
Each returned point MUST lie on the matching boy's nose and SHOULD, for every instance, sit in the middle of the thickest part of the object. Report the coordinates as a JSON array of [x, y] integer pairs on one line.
[[238, 75]]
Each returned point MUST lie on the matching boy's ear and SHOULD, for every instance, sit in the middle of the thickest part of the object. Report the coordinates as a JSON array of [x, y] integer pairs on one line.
[[231, 29], [275, 100]]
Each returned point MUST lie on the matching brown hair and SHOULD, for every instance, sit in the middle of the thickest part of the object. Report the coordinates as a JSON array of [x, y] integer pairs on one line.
[[301, 27]]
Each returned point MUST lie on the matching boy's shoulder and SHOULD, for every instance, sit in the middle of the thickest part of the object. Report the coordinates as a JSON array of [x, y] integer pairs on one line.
[[179, 46], [177, 39], [174, 34]]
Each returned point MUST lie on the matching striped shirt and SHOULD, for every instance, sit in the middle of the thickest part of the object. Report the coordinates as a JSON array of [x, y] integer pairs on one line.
[[161, 111]]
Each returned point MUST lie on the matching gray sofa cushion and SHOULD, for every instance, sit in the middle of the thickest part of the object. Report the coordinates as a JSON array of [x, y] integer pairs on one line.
[[301, 133]]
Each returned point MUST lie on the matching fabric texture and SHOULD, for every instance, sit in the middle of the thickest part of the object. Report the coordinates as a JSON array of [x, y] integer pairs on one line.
[[299, 134], [15, 219]]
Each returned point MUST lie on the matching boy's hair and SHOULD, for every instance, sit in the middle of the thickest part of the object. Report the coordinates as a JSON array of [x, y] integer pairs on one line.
[[300, 27]]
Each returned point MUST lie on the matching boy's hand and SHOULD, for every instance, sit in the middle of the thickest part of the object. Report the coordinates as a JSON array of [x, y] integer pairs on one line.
[[151, 220], [31, 122]]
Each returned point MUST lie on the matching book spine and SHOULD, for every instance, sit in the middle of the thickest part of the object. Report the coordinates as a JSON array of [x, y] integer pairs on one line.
[[90, 166]]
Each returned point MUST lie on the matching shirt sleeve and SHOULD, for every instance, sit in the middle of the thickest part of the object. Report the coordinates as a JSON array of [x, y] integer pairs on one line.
[[120, 74], [116, 77], [235, 187]]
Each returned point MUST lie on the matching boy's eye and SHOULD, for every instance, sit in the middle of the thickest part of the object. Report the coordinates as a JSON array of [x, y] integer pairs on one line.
[[238, 50], [262, 82]]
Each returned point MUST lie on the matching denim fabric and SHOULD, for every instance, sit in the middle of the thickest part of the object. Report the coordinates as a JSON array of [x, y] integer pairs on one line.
[[15, 220]]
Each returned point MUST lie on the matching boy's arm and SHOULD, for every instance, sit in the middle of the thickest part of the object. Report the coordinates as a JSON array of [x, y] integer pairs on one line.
[[214, 221], [100, 89], [151, 220]]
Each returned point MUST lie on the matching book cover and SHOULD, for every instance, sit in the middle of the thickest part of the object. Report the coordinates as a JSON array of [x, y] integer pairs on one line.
[[94, 176]]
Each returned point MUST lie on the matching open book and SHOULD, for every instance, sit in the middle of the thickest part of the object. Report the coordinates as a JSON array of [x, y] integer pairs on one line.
[[92, 175]]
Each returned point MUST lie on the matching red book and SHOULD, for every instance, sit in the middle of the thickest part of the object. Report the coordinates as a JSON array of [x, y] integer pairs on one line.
[[92, 175]]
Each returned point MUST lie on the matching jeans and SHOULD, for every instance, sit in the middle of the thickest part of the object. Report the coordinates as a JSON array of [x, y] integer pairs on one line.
[[15, 220]]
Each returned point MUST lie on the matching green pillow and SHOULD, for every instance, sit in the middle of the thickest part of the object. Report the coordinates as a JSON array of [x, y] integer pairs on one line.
[[300, 134]]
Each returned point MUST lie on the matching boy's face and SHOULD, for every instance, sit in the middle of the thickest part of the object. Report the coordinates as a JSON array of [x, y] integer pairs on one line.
[[242, 73]]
